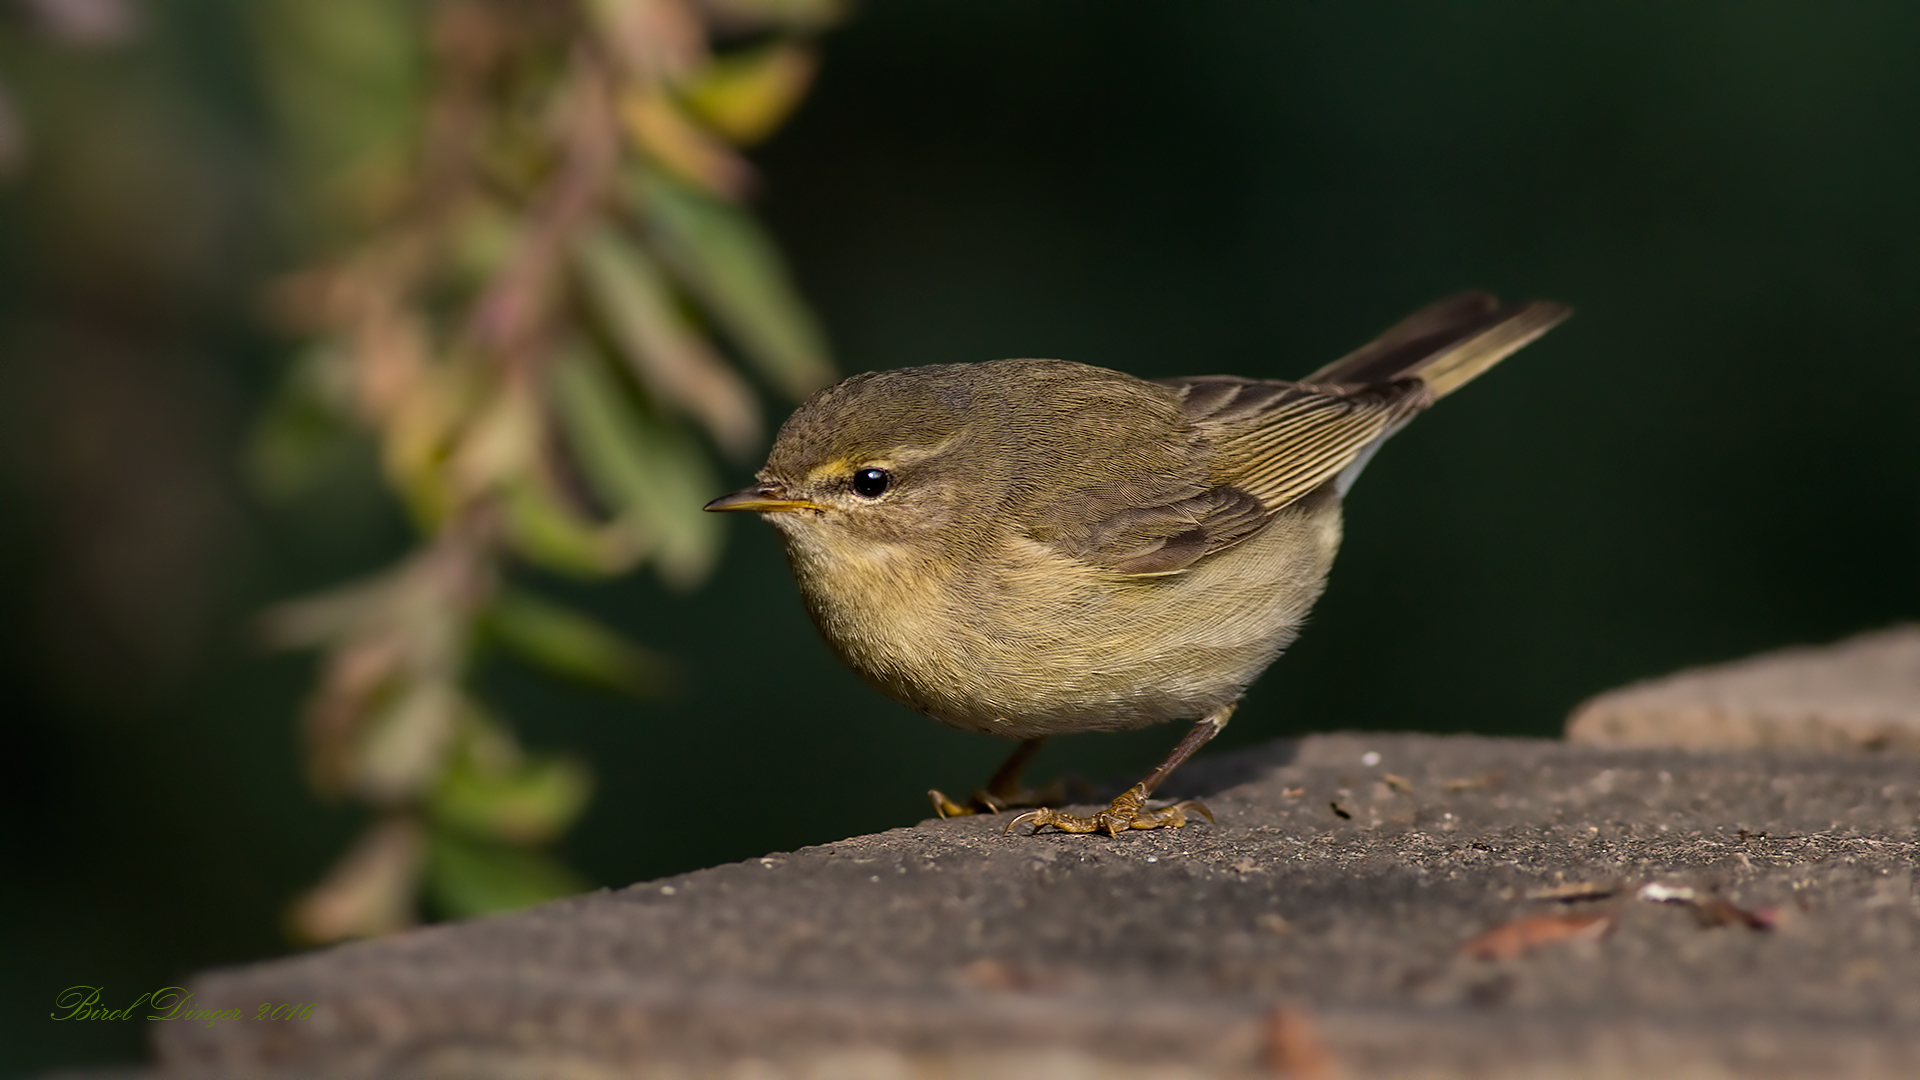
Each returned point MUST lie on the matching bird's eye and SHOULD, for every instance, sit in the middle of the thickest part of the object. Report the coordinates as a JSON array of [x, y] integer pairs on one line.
[[871, 483]]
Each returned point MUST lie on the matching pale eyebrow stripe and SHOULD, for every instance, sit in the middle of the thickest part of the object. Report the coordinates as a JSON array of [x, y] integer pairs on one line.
[[841, 466]]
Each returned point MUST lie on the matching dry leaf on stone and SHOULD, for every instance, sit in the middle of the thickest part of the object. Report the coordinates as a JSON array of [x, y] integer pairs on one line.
[[1510, 939], [1570, 891], [1709, 910], [1654, 892], [1718, 912]]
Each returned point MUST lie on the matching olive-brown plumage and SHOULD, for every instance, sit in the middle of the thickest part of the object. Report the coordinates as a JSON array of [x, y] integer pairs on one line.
[[1032, 547]]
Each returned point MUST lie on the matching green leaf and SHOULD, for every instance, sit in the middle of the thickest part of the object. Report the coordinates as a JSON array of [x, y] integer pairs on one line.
[[405, 743], [529, 801], [665, 351], [574, 645], [662, 131], [720, 252], [469, 876], [370, 891], [745, 94], [548, 532], [482, 236], [324, 618], [654, 472]]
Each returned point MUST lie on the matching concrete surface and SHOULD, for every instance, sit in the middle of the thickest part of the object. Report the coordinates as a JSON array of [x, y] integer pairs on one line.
[[1862, 694], [1366, 906]]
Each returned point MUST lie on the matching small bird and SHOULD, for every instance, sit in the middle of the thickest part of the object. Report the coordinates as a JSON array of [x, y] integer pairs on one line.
[[1036, 547]]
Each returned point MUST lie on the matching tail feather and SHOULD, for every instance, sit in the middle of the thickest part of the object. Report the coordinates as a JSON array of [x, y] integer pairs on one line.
[[1445, 344]]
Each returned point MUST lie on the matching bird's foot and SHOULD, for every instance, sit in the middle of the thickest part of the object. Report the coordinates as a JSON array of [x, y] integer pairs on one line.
[[1129, 811], [991, 800]]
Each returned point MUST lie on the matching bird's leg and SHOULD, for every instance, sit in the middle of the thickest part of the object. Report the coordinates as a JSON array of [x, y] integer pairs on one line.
[[1129, 811], [1003, 788]]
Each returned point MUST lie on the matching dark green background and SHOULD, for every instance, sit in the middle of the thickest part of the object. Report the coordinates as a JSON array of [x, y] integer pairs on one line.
[[1719, 454]]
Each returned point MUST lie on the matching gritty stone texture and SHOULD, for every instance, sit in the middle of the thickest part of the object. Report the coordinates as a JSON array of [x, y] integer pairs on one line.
[[1862, 694], [1289, 937]]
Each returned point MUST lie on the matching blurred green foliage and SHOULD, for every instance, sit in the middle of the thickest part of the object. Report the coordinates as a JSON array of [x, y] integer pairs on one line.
[[534, 238]]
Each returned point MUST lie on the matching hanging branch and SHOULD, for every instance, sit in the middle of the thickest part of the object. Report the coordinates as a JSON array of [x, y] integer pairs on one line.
[[538, 267]]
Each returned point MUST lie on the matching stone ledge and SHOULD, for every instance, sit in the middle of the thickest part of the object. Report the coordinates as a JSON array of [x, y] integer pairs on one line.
[[1861, 694], [946, 949]]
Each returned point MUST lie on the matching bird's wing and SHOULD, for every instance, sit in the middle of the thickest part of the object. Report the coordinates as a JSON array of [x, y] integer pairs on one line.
[[1139, 498], [1165, 536], [1237, 451], [1277, 441], [1251, 447]]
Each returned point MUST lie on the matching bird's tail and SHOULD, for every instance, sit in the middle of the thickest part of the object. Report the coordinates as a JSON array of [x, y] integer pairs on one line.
[[1445, 344]]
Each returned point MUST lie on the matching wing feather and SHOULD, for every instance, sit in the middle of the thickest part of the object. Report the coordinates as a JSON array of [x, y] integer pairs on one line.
[[1238, 450], [1277, 441]]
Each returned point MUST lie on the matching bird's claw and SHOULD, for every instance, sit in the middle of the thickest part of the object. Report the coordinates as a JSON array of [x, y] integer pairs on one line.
[[1129, 811], [981, 803], [990, 801]]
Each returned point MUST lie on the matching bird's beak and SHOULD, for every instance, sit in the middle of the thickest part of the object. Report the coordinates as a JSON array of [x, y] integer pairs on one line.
[[761, 498]]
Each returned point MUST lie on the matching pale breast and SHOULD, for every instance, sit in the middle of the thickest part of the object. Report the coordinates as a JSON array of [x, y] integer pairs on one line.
[[1028, 642]]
